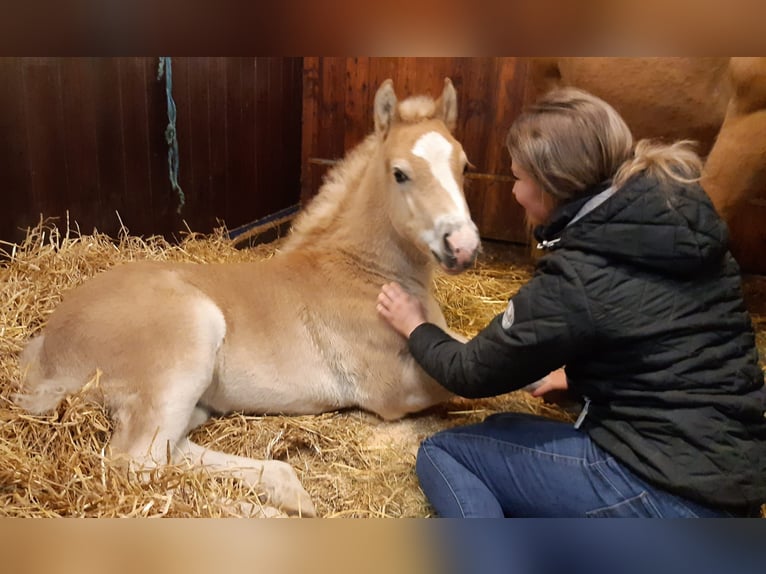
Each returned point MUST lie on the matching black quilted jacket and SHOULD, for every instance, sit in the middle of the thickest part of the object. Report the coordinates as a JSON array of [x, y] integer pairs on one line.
[[641, 300]]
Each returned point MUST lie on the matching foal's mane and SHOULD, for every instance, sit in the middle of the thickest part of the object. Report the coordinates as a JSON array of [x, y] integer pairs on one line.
[[323, 212]]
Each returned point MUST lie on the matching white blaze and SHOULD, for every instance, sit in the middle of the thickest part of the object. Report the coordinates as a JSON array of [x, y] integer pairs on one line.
[[436, 150]]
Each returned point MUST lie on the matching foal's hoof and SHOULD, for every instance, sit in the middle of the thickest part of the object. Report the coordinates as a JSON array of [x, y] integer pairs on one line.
[[304, 508], [293, 500], [284, 490]]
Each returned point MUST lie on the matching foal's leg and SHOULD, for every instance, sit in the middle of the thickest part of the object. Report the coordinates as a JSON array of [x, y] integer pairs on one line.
[[149, 423], [157, 404], [153, 424], [154, 401], [278, 479]]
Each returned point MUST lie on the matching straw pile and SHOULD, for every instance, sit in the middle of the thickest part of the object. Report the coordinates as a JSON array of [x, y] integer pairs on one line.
[[351, 463]]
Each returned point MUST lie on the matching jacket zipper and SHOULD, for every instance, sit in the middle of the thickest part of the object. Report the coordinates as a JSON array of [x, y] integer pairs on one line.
[[545, 244], [583, 413]]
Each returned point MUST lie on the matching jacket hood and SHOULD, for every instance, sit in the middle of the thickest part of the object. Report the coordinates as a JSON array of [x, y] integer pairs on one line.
[[671, 227]]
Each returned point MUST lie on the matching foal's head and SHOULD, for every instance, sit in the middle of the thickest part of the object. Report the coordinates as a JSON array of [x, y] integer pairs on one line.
[[424, 172]]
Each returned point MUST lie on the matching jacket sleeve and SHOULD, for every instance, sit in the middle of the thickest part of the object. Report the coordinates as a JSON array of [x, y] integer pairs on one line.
[[547, 324]]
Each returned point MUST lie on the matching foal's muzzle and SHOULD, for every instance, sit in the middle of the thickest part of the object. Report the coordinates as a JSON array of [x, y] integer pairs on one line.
[[459, 247]]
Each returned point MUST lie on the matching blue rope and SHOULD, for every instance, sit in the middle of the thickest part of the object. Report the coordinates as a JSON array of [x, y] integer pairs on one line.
[[165, 66]]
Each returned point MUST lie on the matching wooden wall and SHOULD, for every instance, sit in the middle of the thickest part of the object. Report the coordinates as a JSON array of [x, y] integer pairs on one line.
[[338, 97], [87, 135]]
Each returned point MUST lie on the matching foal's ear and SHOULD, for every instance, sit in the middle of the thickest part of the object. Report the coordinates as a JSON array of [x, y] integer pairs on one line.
[[385, 106], [446, 105]]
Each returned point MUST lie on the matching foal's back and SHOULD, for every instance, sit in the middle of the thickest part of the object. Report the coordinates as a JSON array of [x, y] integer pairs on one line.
[[294, 334]]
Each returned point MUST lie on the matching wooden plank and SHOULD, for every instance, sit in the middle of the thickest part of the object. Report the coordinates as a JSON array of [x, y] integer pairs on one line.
[[135, 137], [331, 124], [218, 148], [310, 131], [15, 174], [383, 69], [503, 216], [110, 147], [234, 137], [293, 88], [332, 106], [407, 81], [245, 153], [358, 113], [280, 181], [475, 106], [265, 107], [201, 202], [42, 94], [81, 147], [511, 79]]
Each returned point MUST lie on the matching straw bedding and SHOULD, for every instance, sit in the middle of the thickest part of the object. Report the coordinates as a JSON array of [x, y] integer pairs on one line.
[[352, 464]]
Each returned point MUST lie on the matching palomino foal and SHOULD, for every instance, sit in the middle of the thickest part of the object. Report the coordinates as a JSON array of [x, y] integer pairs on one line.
[[298, 333]]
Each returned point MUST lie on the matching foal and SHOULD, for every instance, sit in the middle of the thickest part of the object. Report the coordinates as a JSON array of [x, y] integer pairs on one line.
[[177, 343]]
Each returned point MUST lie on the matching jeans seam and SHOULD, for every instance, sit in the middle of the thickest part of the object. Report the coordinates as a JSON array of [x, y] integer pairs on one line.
[[425, 449], [522, 448], [642, 497], [597, 467], [644, 493]]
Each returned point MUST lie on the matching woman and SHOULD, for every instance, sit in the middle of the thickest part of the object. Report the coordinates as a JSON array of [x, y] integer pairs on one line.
[[639, 297]]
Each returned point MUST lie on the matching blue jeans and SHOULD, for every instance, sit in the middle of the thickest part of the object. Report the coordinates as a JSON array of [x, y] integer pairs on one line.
[[524, 465]]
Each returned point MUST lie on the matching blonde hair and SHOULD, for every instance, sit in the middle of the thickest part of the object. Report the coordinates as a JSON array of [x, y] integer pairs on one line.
[[570, 141], [677, 161]]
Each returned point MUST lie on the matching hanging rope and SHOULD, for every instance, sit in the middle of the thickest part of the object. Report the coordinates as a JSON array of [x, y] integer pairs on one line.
[[166, 67]]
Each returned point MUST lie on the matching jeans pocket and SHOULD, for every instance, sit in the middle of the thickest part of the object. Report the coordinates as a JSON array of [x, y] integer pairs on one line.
[[635, 507]]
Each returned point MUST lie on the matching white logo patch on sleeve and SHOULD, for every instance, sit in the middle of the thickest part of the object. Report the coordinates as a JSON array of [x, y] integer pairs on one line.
[[508, 316]]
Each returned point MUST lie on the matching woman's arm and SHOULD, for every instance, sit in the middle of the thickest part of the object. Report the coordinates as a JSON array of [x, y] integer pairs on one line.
[[546, 325]]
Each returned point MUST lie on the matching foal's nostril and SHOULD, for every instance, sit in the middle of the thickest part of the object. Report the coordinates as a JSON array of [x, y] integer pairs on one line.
[[445, 241], [451, 249]]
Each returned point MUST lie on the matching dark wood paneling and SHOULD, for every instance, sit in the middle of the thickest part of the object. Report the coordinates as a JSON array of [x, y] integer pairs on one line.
[[45, 129], [338, 108], [79, 103], [196, 115], [218, 126], [15, 172], [110, 159], [87, 136]]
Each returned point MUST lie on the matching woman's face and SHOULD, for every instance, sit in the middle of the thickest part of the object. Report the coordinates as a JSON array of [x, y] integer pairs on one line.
[[537, 204]]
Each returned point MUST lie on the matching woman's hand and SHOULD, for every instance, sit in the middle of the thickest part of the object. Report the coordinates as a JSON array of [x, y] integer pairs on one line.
[[402, 311], [553, 381]]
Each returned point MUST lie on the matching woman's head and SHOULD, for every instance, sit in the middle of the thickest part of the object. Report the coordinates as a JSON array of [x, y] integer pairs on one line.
[[569, 141]]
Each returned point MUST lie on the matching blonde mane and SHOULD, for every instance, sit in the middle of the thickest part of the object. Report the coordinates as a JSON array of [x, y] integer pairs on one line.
[[322, 212]]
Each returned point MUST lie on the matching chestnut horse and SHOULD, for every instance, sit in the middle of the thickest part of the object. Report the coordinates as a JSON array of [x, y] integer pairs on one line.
[[176, 343], [719, 102]]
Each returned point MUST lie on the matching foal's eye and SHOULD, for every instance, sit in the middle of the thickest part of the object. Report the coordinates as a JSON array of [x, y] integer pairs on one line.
[[400, 176], [465, 169]]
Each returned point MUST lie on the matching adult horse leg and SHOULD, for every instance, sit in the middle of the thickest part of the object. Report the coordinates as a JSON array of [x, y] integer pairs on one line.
[[735, 171]]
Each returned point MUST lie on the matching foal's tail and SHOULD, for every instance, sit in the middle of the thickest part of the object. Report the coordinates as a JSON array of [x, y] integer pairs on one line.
[[40, 394]]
